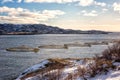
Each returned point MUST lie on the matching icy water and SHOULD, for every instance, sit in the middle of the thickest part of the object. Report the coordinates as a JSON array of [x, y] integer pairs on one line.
[[13, 63]]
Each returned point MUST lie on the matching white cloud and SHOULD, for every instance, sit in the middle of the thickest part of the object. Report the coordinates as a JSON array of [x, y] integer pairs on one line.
[[83, 11], [5, 1], [104, 10], [50, 1], [20, 15], [92, 13], [19, 1], [80, 2], [86, 2], [102, 4], [116, 7]]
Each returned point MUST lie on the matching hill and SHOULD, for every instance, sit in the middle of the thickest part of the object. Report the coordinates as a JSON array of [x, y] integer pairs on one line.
[[18, 29]]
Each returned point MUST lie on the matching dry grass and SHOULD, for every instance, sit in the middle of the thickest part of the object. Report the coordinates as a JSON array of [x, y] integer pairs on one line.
[[81, 72], [105, 62], [61, 61], [101, 64], [55, 64], [112, 53]]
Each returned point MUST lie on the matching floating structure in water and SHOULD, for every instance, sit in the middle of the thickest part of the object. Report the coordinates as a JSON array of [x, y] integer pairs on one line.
[[97, 43], [77, 45], [23, 48], [53, 47]]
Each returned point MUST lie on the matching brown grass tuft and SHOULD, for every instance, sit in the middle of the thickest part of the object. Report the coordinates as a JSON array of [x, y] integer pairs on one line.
[[112, 53]]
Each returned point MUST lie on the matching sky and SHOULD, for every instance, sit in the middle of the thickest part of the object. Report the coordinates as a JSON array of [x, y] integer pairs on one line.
[[67, 14]]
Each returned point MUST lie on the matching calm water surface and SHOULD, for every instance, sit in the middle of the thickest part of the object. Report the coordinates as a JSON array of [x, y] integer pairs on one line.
[[13, 63]]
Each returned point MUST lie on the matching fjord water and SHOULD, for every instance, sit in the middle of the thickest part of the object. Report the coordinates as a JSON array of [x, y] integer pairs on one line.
[[13, 63]]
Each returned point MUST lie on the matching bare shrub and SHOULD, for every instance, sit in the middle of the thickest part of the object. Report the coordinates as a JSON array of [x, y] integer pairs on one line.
[[69, 76], [112, 53], [81, 72], [100, 66], [52, 75]]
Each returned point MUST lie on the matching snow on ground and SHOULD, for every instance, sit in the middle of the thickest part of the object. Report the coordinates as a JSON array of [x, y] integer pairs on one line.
[[82, 63], [34, 68], [69, 70], [111, 75], [116, 64], [37, 66]]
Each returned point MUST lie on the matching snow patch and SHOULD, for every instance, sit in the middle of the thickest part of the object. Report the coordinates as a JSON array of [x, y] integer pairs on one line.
[[34, 68], [111, 75]]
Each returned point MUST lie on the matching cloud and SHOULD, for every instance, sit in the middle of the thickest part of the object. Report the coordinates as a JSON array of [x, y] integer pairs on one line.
[[50, 1], [20, 15], [116, 7], [46, 1], [86, 2], [80, 2], [104, 10], [102, 4], [5, 1], [92, 13], [19, 1]]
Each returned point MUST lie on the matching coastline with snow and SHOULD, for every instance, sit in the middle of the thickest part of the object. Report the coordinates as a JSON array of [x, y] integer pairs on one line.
[[104, 67]]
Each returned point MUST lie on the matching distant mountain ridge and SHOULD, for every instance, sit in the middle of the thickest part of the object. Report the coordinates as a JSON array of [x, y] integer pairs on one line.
[[18, 29]]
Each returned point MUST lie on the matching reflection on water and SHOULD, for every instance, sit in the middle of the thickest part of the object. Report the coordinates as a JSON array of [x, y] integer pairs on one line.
[[13, 63]]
